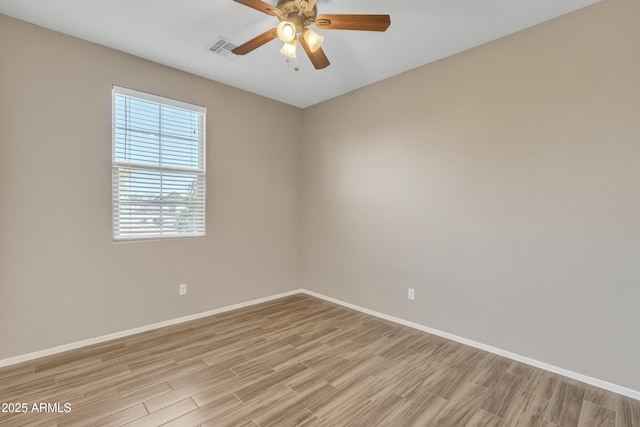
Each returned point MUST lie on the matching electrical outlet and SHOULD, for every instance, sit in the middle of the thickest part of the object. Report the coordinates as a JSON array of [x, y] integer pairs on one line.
[[182, 289], [412, 294]]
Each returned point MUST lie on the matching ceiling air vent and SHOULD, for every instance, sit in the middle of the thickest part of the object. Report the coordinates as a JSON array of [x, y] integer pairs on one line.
[[223, 47]]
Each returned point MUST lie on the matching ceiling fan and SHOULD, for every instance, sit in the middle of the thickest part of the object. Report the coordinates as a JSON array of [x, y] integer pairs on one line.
[[295, 18]]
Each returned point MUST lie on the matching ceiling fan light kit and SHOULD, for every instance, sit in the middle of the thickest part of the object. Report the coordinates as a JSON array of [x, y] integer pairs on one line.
[[286, 31], [295, 18], [313, 39], [289, 49]]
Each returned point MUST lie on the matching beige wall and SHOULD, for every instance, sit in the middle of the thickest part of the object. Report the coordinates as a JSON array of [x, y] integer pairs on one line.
[[503, 184], [61, 277]]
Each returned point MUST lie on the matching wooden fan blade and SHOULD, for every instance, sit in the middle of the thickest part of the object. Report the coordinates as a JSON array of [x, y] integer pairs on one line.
[[255, 43], [258, 5], [318, 58], [354, 22]]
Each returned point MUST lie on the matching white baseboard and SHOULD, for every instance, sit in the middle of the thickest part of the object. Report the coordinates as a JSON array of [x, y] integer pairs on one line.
[[109, 337], [526, 360]]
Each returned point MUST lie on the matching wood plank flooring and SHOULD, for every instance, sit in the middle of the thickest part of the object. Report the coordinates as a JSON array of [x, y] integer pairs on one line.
[[299, 361]]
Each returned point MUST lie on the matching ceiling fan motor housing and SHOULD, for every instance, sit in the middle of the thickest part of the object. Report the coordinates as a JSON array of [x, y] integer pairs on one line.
[[292, 13]]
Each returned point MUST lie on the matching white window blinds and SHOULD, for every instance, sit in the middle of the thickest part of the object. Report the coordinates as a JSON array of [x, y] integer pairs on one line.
[[158, 167]]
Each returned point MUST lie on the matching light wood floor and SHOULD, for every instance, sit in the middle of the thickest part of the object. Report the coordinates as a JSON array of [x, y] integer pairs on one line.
[[300, 361]]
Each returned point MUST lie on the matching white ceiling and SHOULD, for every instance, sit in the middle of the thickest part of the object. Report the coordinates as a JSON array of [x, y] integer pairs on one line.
[[179, 33]]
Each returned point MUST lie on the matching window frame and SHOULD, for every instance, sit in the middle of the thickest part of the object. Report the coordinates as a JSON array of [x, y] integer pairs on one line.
[[116, 166]]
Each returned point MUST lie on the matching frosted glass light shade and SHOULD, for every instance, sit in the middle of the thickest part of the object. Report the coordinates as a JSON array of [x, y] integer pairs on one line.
[[313, 40], [289, 49], [286, 31]]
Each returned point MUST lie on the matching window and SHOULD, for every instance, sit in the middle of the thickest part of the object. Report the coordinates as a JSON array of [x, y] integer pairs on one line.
[[158, 167]]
